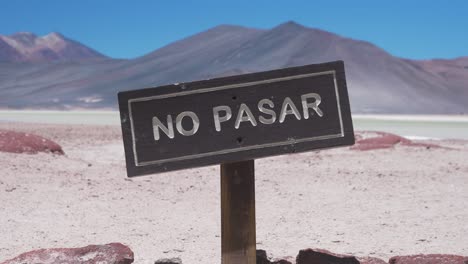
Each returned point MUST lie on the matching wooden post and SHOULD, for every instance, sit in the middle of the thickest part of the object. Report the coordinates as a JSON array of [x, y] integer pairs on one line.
[[238, 242]]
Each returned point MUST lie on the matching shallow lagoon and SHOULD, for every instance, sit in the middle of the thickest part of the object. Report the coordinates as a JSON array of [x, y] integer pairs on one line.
[[413, 126]]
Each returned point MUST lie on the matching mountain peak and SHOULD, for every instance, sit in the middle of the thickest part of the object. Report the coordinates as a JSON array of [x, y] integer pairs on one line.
[[54, 38], [28, 47], [55, 35], [290, 25], [378, 82]]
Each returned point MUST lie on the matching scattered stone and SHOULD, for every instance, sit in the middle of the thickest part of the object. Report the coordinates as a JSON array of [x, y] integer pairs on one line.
[[320, 256], [169, 261], [317, 256], [370, 140], [429, 259], [114, 253], [262, 258], [10, 190], [19, 142]]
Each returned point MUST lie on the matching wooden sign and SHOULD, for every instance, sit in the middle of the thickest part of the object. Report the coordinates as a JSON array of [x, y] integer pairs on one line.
[[235, 118]]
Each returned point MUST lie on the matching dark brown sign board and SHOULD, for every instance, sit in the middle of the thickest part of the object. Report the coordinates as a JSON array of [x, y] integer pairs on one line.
[[235, 118]]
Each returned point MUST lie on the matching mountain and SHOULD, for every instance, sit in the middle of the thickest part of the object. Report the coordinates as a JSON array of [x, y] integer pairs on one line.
[[377, 81], [27, 47], [453, 74]]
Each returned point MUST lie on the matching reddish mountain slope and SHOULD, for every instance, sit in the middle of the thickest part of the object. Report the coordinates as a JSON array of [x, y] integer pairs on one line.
[[377, 81], [27, 47]]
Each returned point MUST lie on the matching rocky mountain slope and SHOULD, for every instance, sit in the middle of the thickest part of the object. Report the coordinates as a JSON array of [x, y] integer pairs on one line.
[[27, 47], [378, 82]]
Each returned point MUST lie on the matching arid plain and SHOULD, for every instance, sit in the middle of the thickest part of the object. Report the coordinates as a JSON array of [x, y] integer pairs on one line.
[[380, 203]]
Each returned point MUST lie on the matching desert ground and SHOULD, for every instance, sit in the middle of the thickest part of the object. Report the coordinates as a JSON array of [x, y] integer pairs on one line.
[[380, 203]]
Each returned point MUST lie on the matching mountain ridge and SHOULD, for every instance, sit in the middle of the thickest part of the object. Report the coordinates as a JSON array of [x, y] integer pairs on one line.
[[378, 81], [28, 47]]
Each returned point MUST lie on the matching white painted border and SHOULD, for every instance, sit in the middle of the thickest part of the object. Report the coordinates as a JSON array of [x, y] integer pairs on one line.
[[225, 87]]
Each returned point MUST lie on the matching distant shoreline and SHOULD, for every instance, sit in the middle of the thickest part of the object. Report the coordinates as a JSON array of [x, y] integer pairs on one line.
[[396, 117], [411, 126], [413, 117]]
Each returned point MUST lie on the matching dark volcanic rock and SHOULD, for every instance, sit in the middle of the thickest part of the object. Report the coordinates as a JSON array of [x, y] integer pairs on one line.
[[114, 253], [169, 261], [19, 142], [429, 259], [262, 258], [319, 256]]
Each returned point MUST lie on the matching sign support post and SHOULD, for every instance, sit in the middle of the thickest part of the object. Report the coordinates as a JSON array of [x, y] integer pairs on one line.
[[238, 241], [232, 121]]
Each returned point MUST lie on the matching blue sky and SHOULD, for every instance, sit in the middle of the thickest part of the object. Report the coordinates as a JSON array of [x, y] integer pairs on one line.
[[126, 29]]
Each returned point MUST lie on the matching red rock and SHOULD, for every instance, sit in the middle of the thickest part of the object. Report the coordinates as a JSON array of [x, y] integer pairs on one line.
[[320, 256], [114, 253], [369, 140], [19, 142], [429, 259]]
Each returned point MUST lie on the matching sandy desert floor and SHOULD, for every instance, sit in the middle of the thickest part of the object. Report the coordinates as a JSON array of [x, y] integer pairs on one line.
[[377, 203]]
